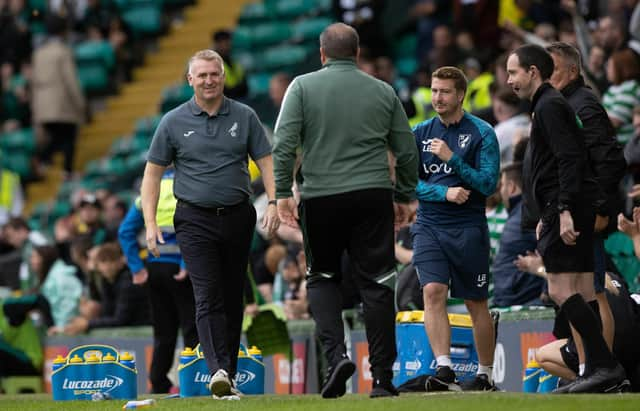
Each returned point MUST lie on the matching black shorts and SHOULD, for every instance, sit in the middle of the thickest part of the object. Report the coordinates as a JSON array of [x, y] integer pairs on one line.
[[569, 355], [559, 257]]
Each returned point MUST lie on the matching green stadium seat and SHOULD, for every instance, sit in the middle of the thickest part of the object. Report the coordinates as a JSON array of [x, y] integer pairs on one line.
[[18, 140], [267, 34], [93, 77], [256, 12], [246, 59], [144, 19], [145, 127], [174, 96], [311, 28], [105, 167], [242, 38], [258, 83], [407, 66], [91, 51], [405, 46], [295, 8], [19, 162], [282, 56]]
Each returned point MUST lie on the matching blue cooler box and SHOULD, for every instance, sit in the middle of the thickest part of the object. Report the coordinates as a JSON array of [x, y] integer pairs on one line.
[[414, 352], [194, 374], [93, 369]]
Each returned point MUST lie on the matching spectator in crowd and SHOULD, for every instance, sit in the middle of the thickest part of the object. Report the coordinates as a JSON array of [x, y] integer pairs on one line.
[[512, 286], [85, 220], [11, 195], [214, 228], [278, 84], [556, 181], [58, 104], [623, 72], [295, 301], [429, 14], [83, 255], [15, 38], [19, 240], [114, 210], [122, 302], [386, 71], [363, 123], [459, 169], [58, 284], [14, 97], [170, 291], [235, 80], [632, 148], [513, 124], [366, 16]]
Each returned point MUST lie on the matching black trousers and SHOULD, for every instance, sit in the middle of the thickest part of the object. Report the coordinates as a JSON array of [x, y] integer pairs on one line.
[[215, 247], [360, 223], [62, 137], [172, 308]]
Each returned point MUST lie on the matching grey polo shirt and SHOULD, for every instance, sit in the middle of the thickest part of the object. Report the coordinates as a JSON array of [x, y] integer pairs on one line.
[[210, 152]]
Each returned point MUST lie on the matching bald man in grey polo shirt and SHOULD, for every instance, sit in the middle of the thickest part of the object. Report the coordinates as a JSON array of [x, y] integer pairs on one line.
[[209, 139]]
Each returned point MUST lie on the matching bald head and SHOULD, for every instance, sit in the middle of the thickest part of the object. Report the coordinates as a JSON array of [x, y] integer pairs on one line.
[[339, 41]]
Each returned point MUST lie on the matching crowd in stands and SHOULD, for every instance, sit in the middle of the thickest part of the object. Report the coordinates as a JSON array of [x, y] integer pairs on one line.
[[78, 268]]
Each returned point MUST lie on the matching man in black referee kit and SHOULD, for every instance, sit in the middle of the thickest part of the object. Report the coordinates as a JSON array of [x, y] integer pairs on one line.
[[209, 139], [557, 185]]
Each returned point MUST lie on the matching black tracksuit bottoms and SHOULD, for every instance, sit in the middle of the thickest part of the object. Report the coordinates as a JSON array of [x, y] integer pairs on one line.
[[359, 223], [215, 246]]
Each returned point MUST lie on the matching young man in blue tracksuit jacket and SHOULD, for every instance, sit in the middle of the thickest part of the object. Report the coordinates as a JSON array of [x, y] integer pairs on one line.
[[172, 302], [459, 168]]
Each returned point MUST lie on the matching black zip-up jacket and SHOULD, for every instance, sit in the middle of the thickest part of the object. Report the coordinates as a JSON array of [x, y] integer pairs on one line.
[[556, 171], [600, 140]]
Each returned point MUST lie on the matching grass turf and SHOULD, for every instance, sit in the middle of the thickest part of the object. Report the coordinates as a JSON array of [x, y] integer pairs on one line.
[[408, 402]]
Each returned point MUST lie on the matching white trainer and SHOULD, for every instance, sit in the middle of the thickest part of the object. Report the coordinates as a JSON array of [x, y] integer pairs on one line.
[[220, 385]]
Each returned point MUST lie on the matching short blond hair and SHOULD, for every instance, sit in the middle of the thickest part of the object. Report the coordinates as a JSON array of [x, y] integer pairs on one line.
[[452, 73], [206, 55]]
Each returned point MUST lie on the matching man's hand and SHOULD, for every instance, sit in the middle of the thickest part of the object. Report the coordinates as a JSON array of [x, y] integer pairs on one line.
[[288, 211], [457, 195], [440, 149], [567, 232], [530, 263], [182, 275], [270, 219], [154, 234], [627, 226], [601, 223], [76, 326], [140, 277], [402, 213]]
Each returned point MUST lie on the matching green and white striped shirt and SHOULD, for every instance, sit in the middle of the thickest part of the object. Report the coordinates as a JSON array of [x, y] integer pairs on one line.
[[619, 101]]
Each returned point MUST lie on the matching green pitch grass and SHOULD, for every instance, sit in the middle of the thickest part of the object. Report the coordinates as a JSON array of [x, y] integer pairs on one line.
[[406, 402]]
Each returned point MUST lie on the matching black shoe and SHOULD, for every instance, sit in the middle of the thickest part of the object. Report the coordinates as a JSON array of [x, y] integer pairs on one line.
[[383, 388], [479, 383], [337, 376], [564, 386], [605, 380], [444, 380]]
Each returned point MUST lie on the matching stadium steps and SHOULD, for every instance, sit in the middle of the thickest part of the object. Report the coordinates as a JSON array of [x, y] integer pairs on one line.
[[142, 96]]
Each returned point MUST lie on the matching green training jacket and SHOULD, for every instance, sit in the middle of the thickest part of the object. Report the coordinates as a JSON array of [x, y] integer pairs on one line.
[[342, 121]]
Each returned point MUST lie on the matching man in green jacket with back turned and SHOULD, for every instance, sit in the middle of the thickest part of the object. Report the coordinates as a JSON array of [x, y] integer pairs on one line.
[[344, 122]]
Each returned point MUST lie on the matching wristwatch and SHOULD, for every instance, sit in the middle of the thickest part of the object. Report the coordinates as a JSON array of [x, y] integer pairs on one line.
[[274, 202], [563, 207]]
